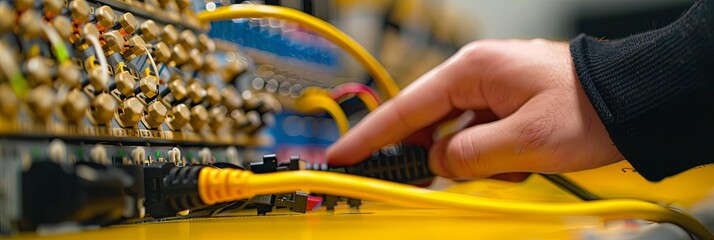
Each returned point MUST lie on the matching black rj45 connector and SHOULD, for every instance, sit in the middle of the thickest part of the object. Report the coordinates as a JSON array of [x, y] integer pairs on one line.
[[397, 163], [171, 189], [296, 202], [84, 193]]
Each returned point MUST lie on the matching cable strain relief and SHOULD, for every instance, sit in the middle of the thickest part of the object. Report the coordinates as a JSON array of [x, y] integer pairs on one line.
[[224, 185], [181, 186], [398, 163]]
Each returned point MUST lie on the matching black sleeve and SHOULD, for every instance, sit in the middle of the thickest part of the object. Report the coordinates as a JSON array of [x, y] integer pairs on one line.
[[655, 92]]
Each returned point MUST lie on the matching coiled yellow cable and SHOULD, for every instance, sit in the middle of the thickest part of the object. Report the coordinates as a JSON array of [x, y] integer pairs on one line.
[[223, 185], [316, 99], [380, 75]]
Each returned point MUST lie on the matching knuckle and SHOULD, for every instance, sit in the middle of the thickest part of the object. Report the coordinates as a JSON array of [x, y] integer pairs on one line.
[[479, 52], [464, 154], [404, 119], [462, 97]]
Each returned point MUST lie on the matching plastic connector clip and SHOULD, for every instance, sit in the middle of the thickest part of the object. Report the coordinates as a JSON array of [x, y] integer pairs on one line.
[[171, 189], [396, 163]]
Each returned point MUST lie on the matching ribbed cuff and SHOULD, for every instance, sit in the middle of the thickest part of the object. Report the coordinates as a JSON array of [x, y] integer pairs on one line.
[[654, 92]]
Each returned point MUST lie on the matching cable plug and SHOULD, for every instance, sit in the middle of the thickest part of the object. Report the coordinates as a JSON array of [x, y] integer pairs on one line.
[[396, 163], [171, 189]]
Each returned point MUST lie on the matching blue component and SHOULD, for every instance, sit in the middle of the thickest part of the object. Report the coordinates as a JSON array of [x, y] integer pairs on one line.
[[293, 128], [304, 135], [304, 46]]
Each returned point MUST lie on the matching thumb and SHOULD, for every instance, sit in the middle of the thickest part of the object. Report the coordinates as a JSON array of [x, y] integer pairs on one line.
[[512, 144]]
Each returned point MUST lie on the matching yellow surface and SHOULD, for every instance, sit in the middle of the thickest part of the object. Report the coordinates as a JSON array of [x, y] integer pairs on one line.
[[619, 181], [224, 185], [681, 190], [372, 221], [380, 221]]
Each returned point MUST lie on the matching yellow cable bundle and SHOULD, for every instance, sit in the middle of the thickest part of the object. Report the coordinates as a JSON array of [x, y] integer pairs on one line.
[[380, 75], [316, 99], [223, 185]]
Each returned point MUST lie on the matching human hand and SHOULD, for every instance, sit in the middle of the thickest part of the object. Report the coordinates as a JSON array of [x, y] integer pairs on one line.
[[532, 115]]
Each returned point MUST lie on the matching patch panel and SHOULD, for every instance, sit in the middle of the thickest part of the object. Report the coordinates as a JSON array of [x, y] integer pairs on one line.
[[95, 93], [162, 80], [109, 108]]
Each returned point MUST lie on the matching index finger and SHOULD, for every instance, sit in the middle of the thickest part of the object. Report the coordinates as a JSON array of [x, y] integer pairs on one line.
[[424, 102]]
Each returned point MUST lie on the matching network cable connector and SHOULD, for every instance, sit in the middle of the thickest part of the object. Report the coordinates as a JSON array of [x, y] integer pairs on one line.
[[168, 189], [10, 189], [396, 163], [296, 201], [81, 195], [97, 96], [65, 186], [171, 189]]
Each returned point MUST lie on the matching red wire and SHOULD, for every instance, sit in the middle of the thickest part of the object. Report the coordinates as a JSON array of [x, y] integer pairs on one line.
[[347, 89]]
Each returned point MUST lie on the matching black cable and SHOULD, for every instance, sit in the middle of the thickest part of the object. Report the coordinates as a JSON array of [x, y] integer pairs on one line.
[[406, 163], [307, 7], [273, 2], [570, 186]]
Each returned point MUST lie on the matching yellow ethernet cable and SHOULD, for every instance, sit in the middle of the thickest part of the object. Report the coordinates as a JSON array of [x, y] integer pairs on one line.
[[368, 101], [223, 185], [315, 99], [380, 75], [366, 94]]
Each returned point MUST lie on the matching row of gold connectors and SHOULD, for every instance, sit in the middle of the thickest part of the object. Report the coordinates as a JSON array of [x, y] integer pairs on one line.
[[74, 91]]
